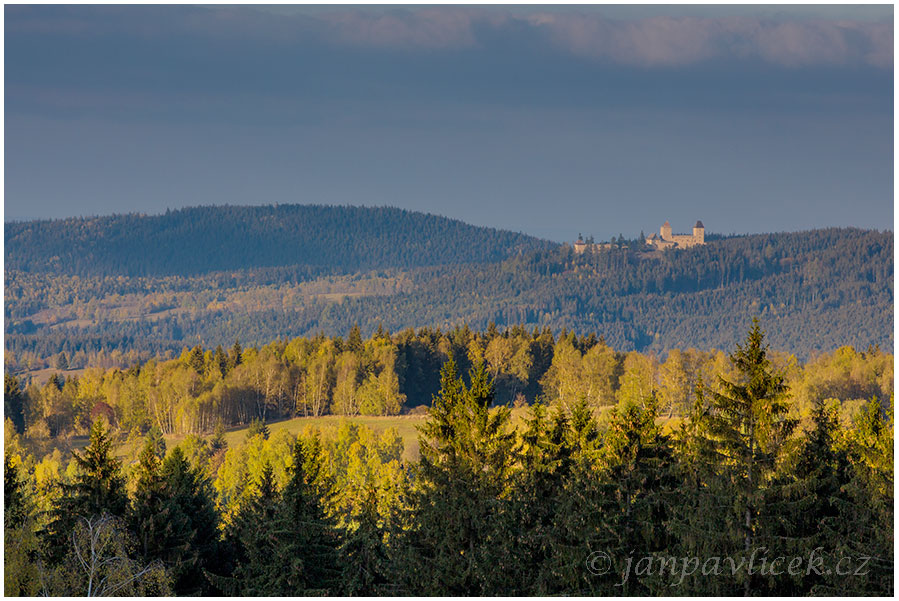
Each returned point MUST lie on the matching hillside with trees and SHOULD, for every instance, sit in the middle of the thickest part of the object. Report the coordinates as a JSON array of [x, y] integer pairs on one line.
[[775, 478], [307, 238], [80, 300]]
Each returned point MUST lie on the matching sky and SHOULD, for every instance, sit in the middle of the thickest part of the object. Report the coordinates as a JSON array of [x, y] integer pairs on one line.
[[554, 121]]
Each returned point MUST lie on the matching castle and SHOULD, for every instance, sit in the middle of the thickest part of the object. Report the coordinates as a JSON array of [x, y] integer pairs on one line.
[[661, 241], [665, 239]]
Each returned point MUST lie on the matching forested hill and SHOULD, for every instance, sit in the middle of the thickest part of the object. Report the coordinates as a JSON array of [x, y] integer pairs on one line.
[[814, 291], [321, 239]]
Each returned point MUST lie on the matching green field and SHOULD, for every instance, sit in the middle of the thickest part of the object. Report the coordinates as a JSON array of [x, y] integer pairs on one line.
[[406, 426]]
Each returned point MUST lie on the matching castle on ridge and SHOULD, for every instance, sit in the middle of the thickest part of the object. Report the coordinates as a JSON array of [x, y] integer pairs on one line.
[[664, 240]]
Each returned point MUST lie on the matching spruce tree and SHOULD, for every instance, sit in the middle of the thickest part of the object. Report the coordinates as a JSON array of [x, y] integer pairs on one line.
[[174, 518], [98, 488], [574, 528], [455, 543], [309, 540], [737, 438], [546, 464], [814, 494], [20, 553], [220, 361], [13, 402], [17, 506], [866, 517], [637, 477], [252, 542], [366, 569]]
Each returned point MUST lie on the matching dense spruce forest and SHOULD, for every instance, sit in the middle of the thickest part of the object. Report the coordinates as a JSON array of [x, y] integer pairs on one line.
[[112, 290], [703, 474], [311, 239]]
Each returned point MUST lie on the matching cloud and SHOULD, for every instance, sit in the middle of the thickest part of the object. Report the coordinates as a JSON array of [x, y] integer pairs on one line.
[[647, 41], [430, 28], [678, 41]]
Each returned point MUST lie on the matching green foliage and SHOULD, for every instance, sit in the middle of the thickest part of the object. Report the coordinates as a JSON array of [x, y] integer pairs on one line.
[[467, 454], [257, 428], [203, 239], [297, 552], [156, 441], [13, 402], [488, 508], [174, 517], [20, 544], [98, 489], [98, 562], [814, 291]]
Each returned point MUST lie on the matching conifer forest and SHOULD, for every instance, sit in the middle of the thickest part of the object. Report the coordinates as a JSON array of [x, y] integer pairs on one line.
[[543, 465]]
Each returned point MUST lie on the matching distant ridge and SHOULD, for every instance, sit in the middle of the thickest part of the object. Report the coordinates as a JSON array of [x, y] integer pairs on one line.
[[205, 239]]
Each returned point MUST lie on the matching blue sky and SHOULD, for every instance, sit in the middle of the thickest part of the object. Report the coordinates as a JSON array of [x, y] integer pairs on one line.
[[549, 120]]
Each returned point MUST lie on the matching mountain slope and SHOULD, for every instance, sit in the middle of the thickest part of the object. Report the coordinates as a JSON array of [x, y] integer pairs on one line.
[[814, 291], [186, 242]]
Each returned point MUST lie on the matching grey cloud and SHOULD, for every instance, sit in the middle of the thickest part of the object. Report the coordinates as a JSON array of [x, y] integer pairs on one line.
[[430, 28], [677, 41], [655, 41]]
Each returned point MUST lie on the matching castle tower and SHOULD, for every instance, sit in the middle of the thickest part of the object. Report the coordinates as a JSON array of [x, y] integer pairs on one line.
[[699, 233], [665, 231], [579, 245]]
